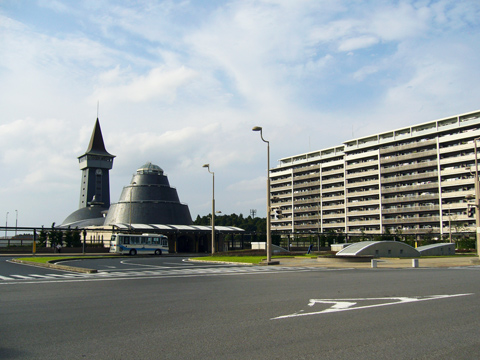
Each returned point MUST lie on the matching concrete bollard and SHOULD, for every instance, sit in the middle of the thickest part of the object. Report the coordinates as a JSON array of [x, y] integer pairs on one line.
[[415, 263], [374, 263]]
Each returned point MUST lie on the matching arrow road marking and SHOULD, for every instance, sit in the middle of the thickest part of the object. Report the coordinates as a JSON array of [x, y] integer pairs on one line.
[[349, 304]]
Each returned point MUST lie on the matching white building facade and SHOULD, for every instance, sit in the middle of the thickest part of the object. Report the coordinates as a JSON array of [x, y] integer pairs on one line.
[[412, 181]]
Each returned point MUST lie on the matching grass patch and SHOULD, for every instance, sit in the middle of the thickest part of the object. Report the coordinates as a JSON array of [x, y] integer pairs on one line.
[[52, 259], [234, 259]]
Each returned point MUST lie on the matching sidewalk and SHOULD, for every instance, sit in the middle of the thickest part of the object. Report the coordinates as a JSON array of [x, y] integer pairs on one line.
[[393, 263]]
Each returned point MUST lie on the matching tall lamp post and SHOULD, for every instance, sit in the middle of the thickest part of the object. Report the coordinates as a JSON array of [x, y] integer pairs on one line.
[[213, 206], [6, 224], [16, 221], [130, 207], [269, 229], [477, 200]]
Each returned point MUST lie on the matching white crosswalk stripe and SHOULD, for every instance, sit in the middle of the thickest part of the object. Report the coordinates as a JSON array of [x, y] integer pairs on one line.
[[171, 272]]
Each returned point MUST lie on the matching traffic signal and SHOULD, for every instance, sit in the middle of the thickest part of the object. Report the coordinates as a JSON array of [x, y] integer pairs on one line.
[[471, 211], [277, 213]]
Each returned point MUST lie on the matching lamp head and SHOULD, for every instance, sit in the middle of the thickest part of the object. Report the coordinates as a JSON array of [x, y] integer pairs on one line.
[[257, 128], [206, 165]]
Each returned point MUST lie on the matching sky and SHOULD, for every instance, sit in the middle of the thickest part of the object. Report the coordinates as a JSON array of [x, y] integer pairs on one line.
[[181, 84]]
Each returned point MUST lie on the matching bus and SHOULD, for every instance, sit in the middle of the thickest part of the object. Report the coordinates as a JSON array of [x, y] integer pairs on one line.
[[134, 244]]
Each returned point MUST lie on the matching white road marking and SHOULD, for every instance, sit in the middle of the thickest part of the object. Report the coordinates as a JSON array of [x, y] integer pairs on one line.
[[149, 274], [348, 304], [5, 278]]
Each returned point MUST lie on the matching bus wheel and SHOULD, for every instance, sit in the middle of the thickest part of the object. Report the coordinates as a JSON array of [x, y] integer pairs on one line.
[[133, 252], [158, 252]]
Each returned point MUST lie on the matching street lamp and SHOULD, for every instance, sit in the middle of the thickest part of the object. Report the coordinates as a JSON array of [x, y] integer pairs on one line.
[[6, 224], [213, 206], [477, 199], [269, 229], [131, 190], [16, 222]]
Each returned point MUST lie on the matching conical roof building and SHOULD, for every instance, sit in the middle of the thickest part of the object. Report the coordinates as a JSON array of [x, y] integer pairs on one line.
[[149, 199]]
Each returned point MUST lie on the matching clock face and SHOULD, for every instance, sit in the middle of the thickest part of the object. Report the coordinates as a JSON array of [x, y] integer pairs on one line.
[[98, 172]]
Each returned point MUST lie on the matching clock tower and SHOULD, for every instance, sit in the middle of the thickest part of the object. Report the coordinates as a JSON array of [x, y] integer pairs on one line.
[[95, 165]]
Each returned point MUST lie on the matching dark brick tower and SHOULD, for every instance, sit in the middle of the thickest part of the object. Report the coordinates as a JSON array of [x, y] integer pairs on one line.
[[95, 165], [95, 185]]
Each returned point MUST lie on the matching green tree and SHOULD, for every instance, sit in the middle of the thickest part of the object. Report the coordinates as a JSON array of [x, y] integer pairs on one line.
[[42, 238], [68, 237], [76, 238]]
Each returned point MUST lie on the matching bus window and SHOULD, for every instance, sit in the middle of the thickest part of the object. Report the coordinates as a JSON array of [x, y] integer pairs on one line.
[[155, 241], [126, 239]]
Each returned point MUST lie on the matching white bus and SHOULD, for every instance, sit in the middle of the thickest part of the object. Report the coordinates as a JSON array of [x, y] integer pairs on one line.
[[139, 244]]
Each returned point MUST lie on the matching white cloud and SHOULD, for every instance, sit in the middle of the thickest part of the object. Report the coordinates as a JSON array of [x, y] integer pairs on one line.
[[357, 43], [159, 84]]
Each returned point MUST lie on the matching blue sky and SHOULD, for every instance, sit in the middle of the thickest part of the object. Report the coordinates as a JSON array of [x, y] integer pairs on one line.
[[181, 84]]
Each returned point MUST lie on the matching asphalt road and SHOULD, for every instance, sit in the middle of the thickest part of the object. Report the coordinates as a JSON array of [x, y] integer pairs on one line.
[[151, 309]]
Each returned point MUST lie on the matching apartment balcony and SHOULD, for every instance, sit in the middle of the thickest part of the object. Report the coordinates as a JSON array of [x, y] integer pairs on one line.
[[457, 159], [399, 178], [286, 212], [332, 189], [274, 181], [307, 176], [298, 194], [365, 164], [406, 167], [281, 188], [333, 181], [363, 203], [352, 230], [363, 222], [333, 226], [306, 218], [410, 146], [306, 185], [362, 184], [402, 199], [333, 198], [307, 168], [363, 174], [333, 206], [301, 212], [458, 182], [435, 229], [330, 171], [405, 188], [410, 209], [455, 206], [333, 216], [412, 220], [274, 193], [413, 155], [456, 148], [458, 194], [281, 227], [351, 213], [357, 193], [304, 201]]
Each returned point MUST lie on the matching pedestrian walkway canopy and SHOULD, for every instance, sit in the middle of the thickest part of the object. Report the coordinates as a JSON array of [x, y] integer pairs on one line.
[[168, 229], [379, 249]]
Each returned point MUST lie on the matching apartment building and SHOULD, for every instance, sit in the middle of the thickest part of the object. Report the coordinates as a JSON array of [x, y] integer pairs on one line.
[[413, 180]]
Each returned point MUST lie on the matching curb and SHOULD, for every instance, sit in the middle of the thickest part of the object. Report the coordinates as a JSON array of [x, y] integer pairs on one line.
[[56, 266], [220, 262]]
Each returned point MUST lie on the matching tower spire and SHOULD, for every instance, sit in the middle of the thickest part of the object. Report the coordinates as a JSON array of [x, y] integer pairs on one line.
[[96, 145], [95, 165]]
